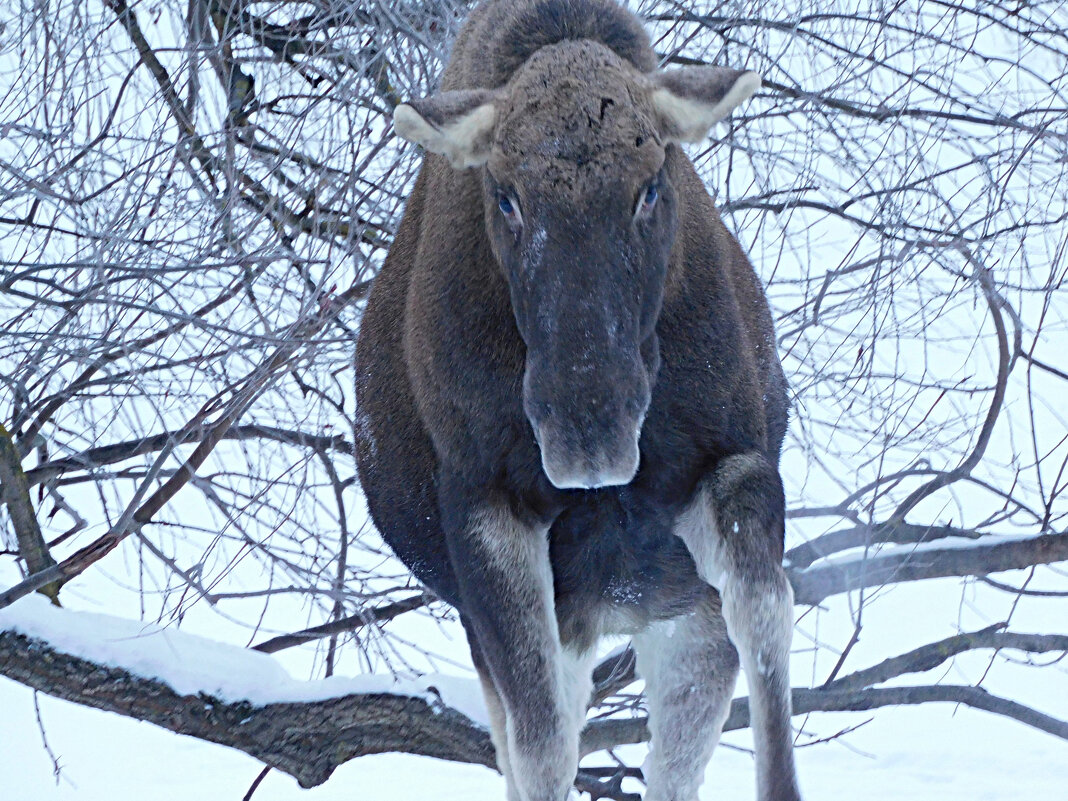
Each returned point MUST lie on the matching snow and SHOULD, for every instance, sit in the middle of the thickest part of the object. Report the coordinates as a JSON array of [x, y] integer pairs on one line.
[[928, 753], [938, 750], [193, 665], [858, 556]]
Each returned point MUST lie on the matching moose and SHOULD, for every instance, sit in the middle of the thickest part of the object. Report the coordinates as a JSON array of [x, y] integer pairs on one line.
[[570, 407]]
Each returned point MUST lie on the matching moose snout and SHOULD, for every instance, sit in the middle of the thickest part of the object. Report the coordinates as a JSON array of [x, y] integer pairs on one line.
[[587, 431]]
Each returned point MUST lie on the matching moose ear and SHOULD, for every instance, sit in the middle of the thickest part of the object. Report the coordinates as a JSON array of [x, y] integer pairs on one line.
[[691, 100], [458, 125]]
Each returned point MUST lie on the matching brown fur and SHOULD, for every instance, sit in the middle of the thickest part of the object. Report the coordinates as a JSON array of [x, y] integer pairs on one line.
[[534, 317]]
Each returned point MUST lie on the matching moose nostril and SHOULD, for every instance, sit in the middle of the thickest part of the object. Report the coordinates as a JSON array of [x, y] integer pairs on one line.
[[570, 461]]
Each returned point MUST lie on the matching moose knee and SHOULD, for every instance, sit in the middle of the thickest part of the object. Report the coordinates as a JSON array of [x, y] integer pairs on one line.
[[735, 524], [746, 494]]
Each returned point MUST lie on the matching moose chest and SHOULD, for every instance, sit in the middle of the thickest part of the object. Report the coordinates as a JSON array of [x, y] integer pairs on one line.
[[617, 565]]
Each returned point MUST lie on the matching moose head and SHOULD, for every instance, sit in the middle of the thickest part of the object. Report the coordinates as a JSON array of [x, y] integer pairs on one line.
[[581, 214]]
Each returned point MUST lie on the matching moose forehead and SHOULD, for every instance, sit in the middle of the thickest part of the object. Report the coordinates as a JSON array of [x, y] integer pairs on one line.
[[577, 117]]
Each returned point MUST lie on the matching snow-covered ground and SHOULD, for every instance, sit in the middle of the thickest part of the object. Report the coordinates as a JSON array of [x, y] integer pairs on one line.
[[934, 752], [924, 753]]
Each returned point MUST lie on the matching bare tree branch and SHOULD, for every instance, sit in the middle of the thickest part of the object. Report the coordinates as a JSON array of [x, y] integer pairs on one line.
[[602, 734], [817, 583], [104, 455], [209, 435], [931, 656], [15, 493], [306, 740], [366, 618]]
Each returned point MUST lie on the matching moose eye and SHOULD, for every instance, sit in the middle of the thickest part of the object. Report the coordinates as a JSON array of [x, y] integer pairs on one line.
[[510, 209], [648, 199]]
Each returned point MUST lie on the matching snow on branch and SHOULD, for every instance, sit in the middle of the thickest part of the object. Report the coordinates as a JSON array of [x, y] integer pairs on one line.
[[237, 697], [814, 584], [306, 739]]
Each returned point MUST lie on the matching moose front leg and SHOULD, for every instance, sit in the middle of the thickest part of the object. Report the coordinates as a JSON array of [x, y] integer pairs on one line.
[[734, 531], [541, 692], [498, 719]]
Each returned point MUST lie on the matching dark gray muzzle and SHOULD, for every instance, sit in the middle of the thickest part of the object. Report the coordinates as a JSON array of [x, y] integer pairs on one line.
[[591, 356], [587, 418]]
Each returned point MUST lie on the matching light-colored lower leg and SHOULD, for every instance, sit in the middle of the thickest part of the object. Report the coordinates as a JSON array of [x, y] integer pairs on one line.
[[511, 615], [542, 688], [499, 734], [759, 617], [576, 682], [539, 766], [690, 668]]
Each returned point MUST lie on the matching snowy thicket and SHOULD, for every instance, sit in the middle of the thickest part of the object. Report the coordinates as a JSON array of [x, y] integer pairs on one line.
[[194, 197]]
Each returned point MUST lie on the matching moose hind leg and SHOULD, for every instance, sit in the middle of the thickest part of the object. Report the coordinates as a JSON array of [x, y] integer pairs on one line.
[[734, 531], [690, 668]]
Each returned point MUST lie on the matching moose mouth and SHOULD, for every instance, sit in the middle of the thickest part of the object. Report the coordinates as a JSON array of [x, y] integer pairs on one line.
[[607, 464], [587, 432]]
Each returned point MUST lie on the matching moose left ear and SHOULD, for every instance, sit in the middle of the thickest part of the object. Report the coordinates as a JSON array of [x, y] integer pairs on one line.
[[689, 101]]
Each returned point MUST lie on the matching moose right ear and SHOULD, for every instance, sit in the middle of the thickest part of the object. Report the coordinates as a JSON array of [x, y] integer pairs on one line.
[[458, 125]]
